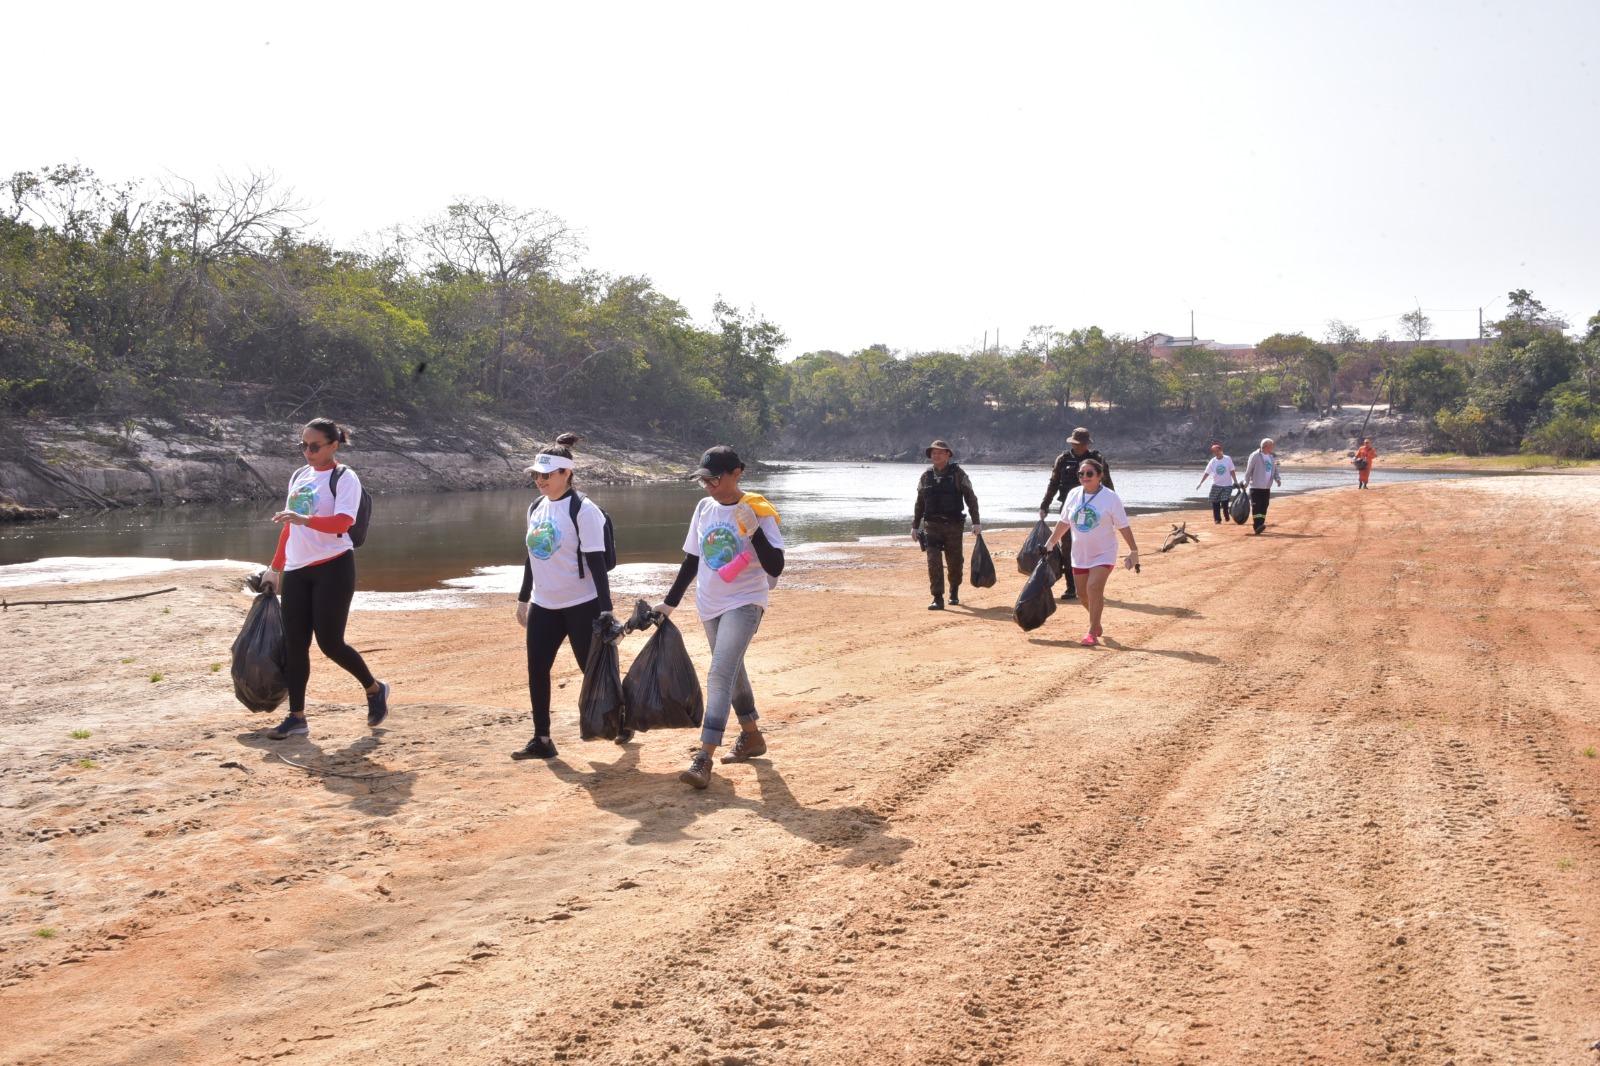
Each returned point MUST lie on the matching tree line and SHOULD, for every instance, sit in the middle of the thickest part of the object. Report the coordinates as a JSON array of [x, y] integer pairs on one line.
[[120, 298], [1529, 385]]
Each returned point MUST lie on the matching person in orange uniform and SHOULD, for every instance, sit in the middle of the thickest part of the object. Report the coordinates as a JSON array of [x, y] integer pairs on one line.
[[1366, 455]]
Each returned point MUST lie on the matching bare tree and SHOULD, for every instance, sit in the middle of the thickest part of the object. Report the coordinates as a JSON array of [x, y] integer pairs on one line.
[[1416, 325], [494, 240], [239, 220]]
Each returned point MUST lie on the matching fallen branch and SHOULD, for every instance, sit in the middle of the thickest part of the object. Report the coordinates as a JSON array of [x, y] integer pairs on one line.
[[1180, 535], [6, 605]]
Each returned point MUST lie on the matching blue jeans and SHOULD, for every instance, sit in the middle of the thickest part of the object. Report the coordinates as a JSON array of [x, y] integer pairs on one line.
[[728, 685]]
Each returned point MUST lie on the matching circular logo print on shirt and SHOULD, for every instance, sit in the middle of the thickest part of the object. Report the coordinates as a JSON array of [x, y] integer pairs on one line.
[[1085, 518], [303, 500], [718, 546], [544, 540]]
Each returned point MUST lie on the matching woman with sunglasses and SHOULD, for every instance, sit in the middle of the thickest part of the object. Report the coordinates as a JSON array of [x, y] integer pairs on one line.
[[315, 570], [564, 574], [1094, 514], [730, 530]]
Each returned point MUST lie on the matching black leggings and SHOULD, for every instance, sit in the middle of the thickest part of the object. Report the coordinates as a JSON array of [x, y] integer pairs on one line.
[[547, 628], [316, 600]]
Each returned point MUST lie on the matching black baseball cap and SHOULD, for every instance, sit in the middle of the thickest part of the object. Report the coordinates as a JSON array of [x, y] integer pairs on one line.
[[718, 461]]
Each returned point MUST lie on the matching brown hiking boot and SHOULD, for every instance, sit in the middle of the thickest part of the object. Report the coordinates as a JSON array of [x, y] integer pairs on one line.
[[748, 746], [699, 772]]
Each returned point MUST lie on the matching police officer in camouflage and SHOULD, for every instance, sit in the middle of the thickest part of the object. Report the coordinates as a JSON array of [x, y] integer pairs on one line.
[[1063, 479], [937, 522]]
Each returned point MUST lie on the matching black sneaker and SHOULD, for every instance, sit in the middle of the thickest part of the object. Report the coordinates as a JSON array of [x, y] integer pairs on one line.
[[538, 748], [378, 705], [1069, 595], [937, 604], [290, 727], [699, 772], [955, 598]]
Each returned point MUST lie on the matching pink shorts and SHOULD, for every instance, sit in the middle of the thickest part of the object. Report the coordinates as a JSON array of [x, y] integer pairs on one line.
[[1085, 569]]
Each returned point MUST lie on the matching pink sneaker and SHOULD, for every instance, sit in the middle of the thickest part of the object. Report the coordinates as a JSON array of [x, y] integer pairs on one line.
[[1088, 640]]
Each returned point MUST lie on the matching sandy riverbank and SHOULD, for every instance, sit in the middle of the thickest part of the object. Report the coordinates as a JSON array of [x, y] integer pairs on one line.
[[1327, 796]]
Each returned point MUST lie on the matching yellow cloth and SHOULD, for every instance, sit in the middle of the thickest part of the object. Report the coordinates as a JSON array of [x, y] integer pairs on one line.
[[758, 503]]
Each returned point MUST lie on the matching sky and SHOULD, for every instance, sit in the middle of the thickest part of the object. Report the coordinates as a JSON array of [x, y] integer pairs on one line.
[[918, 175]]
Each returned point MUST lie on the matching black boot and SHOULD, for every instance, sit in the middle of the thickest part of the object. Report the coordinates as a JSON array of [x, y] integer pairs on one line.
[[955, 595], [937, 604]]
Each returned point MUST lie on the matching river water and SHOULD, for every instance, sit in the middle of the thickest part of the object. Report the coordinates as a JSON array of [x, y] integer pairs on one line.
[[472, 541]]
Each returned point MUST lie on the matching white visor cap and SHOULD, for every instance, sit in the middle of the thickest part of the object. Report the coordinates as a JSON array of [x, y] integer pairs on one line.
[[549, 464]]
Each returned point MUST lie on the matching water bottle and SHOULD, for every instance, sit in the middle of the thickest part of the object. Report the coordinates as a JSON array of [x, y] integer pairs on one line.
[[736, 565]]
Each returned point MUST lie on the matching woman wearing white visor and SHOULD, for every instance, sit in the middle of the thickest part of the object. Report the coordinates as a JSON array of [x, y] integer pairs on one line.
[[564, 574]]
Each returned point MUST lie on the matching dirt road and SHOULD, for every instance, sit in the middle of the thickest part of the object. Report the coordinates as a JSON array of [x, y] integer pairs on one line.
[[1326, 796]]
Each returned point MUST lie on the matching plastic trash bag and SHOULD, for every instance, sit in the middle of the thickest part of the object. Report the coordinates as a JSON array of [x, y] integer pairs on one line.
[[1036, 603], [601, 703], [260, 658], [1239, 505], [1032, 548], [662, 690], [983, 576]]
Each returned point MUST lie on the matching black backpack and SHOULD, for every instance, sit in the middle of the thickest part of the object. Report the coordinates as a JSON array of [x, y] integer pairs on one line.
[[611, 536], [358, 529]]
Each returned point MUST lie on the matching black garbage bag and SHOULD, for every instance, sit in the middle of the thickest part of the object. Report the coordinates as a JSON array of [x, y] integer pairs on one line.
[[1032, 548], [662, 690], [1239, 505], [601, 703], [983, 576], [260, 678], [1035, 604]]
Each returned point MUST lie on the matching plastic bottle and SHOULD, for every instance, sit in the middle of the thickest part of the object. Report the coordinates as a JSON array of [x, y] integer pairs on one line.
[[736, 565]]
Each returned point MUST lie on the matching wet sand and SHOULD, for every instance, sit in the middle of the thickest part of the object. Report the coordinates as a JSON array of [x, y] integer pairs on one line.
[[1325, 796]]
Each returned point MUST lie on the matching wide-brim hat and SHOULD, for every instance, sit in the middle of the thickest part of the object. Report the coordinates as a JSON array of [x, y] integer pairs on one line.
[[927, 453], [1080, 436]]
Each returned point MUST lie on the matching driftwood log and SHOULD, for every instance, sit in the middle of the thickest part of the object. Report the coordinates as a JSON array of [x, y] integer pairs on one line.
[[1180, 535], [6, 605]]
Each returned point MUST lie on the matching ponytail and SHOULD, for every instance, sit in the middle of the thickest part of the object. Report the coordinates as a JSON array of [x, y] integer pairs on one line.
[[330, 430]]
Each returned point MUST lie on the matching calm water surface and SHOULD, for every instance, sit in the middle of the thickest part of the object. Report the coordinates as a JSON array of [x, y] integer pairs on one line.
[[426, 541]]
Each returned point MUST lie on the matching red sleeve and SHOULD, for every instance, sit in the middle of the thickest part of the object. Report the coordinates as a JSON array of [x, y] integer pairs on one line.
[[278, 559], [334, 523]]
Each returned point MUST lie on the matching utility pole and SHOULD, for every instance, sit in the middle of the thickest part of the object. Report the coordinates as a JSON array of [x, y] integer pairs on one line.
[[997, 340], [1480, 323], [985, 340], [1191, 328]]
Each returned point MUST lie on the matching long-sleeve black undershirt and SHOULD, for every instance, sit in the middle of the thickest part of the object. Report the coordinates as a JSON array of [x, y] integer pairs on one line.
[[767, 554]]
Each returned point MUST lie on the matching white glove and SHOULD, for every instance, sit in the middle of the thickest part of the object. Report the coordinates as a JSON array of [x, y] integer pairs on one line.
[[271, 581], [977, 530], [663, 610], [522, 614]]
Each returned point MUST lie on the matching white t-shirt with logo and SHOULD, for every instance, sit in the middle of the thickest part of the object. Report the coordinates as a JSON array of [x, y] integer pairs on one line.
[[714, 536], [309, 496], [1094, 520], [1221, 470], [553, 551]]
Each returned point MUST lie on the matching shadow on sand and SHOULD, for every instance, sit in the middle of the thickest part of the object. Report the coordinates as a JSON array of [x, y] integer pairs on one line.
[[371, 787], [1151, 608], [1116, 645], [663, 807]]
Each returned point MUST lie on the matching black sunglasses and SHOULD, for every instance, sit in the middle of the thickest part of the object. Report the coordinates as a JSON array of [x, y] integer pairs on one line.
[[306, 446]]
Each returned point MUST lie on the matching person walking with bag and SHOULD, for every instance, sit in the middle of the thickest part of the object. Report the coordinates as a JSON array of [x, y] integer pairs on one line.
[[565, 582], [314, 569], [734, 550], [1095, 515], [1064, 478], [1224, 476], [1365, 456], [937, 523], [1260, 474]]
